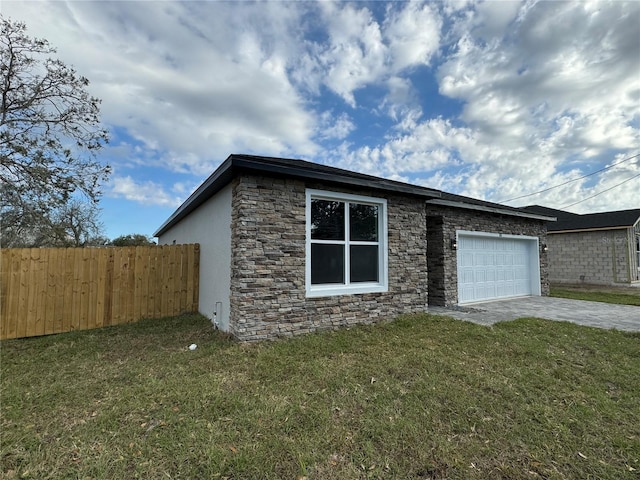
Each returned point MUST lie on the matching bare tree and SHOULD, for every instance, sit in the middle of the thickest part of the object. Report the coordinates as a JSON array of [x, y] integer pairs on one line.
[[50, 130], [73, 224]]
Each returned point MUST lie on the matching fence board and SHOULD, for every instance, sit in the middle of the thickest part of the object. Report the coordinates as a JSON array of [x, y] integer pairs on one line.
[[77, 289], [6, 272], [46, 291], [29, 328], [68, 289], [58, 257], [41, 292], [138, 291], [190, 280], [11, 272], [152, 299], [108, 298], [182, 297], [50, 293], [131, 281], [93, 292], [119, 279], [5, 262], [83, 287], [196, 278], [101, 284], [174, 278]]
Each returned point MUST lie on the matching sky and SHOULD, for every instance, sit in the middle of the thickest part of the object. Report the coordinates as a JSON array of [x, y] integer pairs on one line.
[[494, 100]]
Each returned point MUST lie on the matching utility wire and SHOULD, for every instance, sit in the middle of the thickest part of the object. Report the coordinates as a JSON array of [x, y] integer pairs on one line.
[[570, 181], [599, 193]]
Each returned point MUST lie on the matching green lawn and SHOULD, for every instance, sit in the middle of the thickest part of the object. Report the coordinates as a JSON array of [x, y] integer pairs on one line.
[[619, 295], [423, 397]]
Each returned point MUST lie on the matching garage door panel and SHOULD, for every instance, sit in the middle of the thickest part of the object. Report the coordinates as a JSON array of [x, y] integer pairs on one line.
[[490, 268], [491, 275], [467, 276]]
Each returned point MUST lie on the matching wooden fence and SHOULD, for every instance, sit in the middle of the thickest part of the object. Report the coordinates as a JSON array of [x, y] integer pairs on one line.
[[54, 290]]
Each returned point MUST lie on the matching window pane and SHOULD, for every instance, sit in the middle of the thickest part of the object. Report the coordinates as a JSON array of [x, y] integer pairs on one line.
[[327, 264], [327, 220], [363, 221], [364, 263]]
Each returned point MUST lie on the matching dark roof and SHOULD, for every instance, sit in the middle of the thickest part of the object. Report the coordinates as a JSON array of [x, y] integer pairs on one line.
[[460, 201], [301, 169], [553, 212], [568, 221]]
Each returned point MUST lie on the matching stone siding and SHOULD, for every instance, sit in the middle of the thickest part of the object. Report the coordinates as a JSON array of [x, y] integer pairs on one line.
[[268, 297], [443, 222], [601, 258]]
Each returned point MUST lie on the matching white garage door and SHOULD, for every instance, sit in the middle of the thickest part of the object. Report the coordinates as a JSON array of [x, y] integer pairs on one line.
[[492, 267]]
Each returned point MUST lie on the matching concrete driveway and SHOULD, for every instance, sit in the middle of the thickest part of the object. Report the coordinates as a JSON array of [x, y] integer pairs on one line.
[[592, 314]]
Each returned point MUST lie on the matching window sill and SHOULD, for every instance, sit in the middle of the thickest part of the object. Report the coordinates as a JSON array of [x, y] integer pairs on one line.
[[332, 291]]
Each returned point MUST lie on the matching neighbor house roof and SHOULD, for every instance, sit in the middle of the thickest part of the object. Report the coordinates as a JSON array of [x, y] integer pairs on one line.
[[301, 169], [571, 222]]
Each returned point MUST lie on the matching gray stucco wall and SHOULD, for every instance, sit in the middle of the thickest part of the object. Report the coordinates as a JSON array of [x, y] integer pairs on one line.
[[442, 224], [210, 226], [268, 297], [604, 257]]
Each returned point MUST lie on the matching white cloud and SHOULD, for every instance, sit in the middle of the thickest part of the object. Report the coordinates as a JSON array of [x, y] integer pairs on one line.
[[545, 64], [546, 91], [355, 54], [193, 82], [362, 51], [492, 18], [552, 82], [413, 35], [146, 193], [180, 79], [332, 127], [402, 102]]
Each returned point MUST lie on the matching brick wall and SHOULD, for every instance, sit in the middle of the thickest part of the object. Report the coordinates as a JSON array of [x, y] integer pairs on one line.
[[443, 223], [268, 263], [600, 257]]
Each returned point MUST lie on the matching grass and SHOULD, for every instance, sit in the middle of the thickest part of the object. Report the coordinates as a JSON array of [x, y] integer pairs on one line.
[[423, 397], [596, 293]]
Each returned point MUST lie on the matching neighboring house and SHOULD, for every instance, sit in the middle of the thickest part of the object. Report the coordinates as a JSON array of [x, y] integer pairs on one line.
[[596, 248], [288, 247]]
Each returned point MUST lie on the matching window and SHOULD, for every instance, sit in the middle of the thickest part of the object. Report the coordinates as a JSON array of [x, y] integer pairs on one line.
[[346, 244]]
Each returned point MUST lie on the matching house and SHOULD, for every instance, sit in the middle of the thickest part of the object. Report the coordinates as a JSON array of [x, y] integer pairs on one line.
[[596, 248], [290, 246]]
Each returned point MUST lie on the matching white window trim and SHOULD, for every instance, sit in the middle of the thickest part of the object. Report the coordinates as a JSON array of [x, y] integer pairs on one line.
[[383, 255]]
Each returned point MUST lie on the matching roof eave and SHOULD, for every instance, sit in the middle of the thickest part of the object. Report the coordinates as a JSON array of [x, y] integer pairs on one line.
[[586, 227], [246, 163], [303, 172], [218, 179], [484, 208], [593, 229]]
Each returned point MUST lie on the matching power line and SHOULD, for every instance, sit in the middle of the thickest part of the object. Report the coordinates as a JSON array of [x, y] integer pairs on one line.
[[600, 193], [571, 181]]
